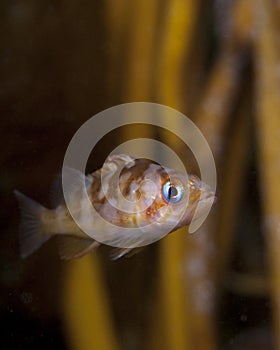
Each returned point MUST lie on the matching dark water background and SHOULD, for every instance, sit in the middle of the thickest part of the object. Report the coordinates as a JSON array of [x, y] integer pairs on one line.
[[56, 72]]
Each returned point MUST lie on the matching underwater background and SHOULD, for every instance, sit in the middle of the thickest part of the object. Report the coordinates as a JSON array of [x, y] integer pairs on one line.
[[217, 62]]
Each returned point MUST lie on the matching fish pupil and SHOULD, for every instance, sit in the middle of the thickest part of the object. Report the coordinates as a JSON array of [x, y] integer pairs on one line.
[[172, 192]]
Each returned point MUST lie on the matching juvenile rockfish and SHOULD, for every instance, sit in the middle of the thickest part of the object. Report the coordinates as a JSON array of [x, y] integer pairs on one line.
[[128, 203]]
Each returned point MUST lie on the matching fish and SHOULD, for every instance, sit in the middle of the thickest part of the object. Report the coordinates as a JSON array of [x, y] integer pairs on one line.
[[128, 203]]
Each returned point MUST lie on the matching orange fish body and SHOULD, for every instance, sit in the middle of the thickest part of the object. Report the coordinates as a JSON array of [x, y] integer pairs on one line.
[[128, 203]]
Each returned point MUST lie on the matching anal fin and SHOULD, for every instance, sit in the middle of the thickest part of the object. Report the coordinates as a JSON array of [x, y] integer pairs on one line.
[[74, 247], [118, 253]]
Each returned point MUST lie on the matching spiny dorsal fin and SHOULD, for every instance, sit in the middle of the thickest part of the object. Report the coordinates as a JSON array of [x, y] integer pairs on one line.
[[116, 161], [56, 191], [74, 247], [73, 181]]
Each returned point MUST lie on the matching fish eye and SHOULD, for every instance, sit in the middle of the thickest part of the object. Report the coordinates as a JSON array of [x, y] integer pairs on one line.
[[172, 192]]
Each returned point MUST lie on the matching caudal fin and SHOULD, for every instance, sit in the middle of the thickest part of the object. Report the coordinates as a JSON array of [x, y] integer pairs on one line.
[[31, 232]]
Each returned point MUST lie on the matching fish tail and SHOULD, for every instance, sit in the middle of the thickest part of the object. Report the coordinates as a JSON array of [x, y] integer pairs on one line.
[[31, 231]]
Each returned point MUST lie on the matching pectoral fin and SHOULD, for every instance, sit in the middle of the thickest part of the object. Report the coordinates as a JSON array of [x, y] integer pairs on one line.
[[74, 247]]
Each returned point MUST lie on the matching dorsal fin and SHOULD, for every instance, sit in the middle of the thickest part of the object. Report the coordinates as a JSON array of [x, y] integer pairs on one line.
[[73, 181], [56, 191], [74, 247], [116, 161]]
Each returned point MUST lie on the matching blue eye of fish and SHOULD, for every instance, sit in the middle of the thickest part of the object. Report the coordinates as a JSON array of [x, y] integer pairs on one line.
[[172, 192]]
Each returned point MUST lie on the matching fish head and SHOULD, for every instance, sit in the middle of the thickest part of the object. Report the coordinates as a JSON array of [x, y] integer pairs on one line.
[[198, 200], [164, 196], [147, 198]]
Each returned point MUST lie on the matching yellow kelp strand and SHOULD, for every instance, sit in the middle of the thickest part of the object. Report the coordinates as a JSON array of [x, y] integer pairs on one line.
[[268, 121], [86, 307]]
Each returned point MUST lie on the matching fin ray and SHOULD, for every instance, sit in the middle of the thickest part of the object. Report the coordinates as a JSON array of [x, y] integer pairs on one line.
[[31, 232], [75, 247], [118, 253], [56, 191]]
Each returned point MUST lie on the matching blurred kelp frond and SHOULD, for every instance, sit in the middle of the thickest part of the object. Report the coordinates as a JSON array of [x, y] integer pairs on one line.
[[218, 63]]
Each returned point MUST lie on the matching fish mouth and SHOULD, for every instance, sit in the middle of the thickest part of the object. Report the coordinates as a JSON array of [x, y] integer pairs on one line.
[[203, 204], [199, 188], [207, 194], [205, 198], [205, 201]]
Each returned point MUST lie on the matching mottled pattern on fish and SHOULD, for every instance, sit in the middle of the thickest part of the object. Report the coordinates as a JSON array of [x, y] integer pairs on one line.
[[130, 180], [126, 192]]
